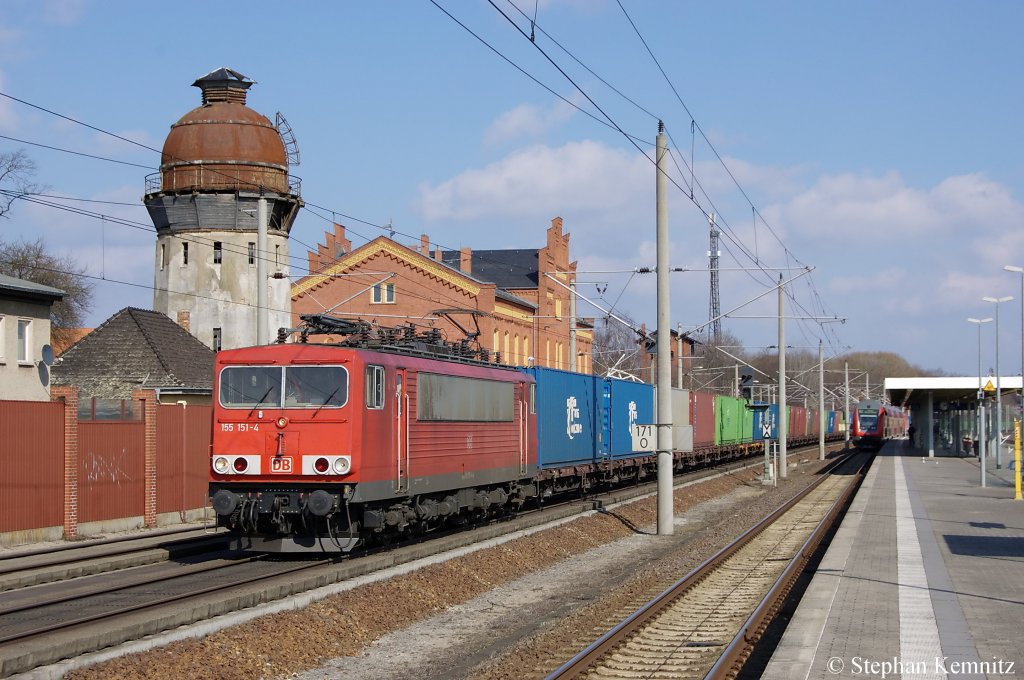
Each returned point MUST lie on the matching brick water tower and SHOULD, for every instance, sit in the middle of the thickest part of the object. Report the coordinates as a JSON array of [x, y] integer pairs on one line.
[[223, 205]]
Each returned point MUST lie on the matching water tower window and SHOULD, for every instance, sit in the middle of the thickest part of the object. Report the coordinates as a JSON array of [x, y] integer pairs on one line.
[[163, 256], [184, 253], [252, 253], [218, 252], [216, 340]]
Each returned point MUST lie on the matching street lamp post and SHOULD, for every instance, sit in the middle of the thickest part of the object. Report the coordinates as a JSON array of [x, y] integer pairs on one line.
[[999, 393], [981, 407]]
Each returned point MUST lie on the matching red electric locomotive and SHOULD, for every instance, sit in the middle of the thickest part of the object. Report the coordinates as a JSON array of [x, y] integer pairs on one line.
[[320, 447], [875, 422]]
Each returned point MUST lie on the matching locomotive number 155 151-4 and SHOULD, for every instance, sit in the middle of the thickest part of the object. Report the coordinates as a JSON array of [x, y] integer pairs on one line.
[[239, 427]]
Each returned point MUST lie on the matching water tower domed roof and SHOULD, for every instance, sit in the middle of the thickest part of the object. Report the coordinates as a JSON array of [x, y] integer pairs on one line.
[[223, 144]]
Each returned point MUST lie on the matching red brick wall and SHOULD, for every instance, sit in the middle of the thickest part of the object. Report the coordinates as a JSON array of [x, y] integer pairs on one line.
[[69, 396]]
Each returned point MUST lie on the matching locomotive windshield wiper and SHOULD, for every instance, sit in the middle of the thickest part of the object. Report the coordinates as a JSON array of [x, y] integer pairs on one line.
[[257, 404], [328, 399]]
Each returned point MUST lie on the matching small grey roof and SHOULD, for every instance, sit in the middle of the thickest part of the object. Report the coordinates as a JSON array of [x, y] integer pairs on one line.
[[135, 348], [513, 268], [224, 74], [15, 285], [503, 295]]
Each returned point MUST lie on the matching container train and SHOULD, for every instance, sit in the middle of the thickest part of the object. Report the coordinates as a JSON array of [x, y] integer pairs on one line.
[[323, 447], [874, 423]]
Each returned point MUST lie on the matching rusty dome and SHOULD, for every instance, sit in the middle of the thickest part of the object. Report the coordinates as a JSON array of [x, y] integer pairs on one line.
[[223, 144]]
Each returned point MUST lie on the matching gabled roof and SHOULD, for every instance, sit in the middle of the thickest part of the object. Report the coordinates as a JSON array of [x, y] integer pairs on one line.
[[514, 268], [135, 348], [20, 288]]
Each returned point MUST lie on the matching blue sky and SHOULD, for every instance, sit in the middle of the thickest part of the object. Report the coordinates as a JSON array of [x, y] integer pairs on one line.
[[879, 141]]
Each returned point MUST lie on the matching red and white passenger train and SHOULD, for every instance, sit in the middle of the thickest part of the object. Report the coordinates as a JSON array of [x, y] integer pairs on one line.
[[875, 422]]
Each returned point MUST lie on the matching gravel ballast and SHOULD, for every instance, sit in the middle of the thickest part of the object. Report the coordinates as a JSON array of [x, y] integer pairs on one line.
[[516, 610]]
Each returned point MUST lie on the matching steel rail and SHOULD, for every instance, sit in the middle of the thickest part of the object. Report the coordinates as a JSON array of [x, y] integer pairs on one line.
[[730, 663], [142, 580], [171, 599], [58, 551], [580, 663]]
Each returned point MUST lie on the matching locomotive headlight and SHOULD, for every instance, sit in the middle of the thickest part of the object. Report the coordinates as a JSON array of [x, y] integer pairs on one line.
[[241, 464], [282, 422], [342, 464], [321, 465], [220, 465]]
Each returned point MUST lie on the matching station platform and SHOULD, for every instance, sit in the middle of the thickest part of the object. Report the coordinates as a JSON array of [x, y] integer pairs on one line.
[[923, 579]]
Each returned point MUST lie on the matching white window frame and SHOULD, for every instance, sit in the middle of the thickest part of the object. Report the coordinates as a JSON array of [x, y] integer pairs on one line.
[[24, 342], [382, 294]]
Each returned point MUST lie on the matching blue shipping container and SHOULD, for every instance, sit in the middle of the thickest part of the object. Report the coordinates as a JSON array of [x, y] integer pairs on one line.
[[769, 418], [568, 413], [626, 404]]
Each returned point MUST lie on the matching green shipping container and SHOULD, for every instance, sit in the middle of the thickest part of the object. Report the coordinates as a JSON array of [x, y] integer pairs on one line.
[[734, 423]]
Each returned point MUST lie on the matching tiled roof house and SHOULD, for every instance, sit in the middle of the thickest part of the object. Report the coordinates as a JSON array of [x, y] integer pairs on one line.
[[138, 349]]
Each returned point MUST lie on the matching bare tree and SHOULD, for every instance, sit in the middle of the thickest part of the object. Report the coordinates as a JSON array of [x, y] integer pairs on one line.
[[31, 261], [718, 361], [617, 349], [16, 172]]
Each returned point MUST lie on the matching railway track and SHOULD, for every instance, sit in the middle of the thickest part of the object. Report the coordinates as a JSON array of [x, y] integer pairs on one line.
[[24, 568], [707, 623], [52, 620]]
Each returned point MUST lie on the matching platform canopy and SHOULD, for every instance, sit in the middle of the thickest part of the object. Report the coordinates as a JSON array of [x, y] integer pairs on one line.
[[906, 391]]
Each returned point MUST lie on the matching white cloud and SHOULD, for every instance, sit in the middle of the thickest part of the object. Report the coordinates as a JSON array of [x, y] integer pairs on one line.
[[871, 206], [527, 121], [540, 181], [64, 12], [8, 118]]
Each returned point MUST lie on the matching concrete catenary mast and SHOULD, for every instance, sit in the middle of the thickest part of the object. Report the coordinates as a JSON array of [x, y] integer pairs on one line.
[[213, 271]]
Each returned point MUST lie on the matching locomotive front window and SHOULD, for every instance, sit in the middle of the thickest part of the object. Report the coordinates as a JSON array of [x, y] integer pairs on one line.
[[868, 419], [303, 386], [250, 386], [315, 386]]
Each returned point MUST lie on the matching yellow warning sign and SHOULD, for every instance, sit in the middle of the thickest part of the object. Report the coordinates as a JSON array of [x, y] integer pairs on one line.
[[989, 387]]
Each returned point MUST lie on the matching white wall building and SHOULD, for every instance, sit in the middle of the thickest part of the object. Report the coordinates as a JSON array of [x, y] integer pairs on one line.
[[24, 332]]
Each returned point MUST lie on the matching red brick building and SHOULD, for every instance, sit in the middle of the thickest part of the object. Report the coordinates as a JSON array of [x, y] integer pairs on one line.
[[522, 295]]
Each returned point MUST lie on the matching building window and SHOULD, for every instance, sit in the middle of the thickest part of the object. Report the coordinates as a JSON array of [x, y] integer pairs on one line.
[[508, 356], [517, 357], [24, 339], [163, 256], [218, 253], [252, 252], [526, 352], [277, 256], [216, 339], [558, 309], [497, 341], [383, 293], [184, 253]]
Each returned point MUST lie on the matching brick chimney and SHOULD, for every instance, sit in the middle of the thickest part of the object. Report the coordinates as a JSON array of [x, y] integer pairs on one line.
[[466, 260], [424, 245]]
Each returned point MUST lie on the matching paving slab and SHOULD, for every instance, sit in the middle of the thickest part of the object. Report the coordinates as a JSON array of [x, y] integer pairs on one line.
[[924, 579]]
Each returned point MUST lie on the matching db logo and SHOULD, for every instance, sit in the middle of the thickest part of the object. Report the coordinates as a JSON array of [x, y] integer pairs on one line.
[[280, 464]]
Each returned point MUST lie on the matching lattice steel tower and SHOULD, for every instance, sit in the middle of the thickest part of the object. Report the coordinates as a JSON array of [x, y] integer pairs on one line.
[[714, 307]]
